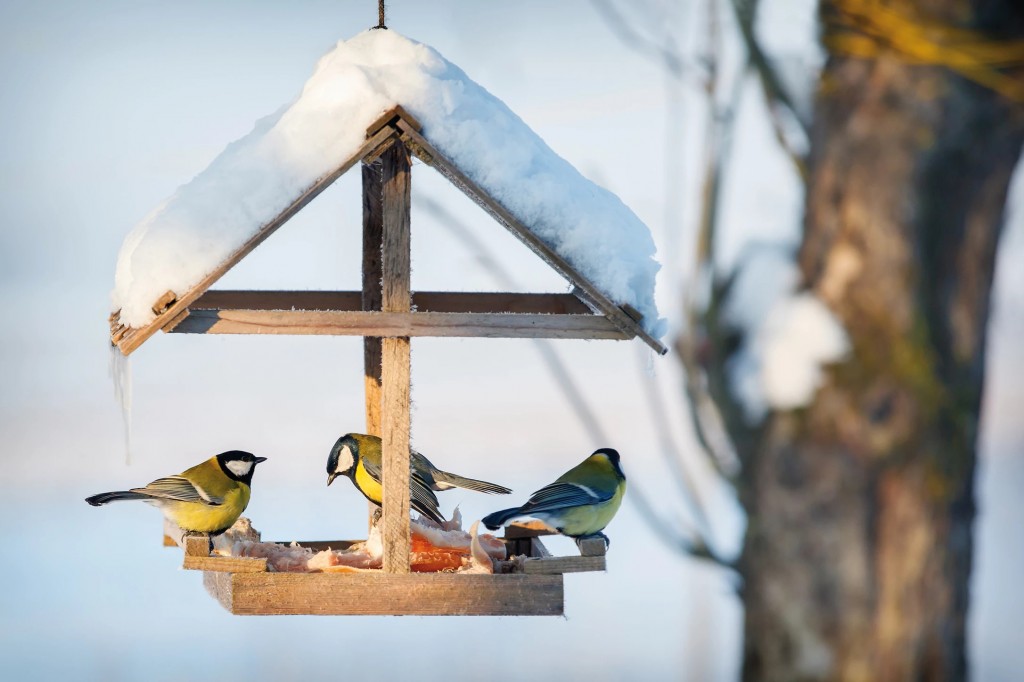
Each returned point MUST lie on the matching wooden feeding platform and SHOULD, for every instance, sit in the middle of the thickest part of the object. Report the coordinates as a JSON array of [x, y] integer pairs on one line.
[[388, 314], [528, 584]]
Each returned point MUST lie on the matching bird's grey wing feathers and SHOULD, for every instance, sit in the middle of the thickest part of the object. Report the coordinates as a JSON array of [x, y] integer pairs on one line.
[[421, 497], [178, 488], [561, 495]]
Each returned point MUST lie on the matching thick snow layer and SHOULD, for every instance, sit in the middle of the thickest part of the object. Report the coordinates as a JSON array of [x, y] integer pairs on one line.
[[256, 177], [787, 336]]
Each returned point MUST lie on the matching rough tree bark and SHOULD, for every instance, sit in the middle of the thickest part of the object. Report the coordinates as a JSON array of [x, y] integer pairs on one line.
[[858, 551]]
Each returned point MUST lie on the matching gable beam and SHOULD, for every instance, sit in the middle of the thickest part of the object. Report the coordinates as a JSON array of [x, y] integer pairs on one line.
[[132, 339], [432, 157]]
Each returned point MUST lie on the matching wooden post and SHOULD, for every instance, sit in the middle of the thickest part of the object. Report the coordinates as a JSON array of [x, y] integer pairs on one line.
[[373, 226], [395, 360]]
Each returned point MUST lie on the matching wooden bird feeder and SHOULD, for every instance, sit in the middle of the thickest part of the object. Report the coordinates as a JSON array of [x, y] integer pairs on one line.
[[387, 313]]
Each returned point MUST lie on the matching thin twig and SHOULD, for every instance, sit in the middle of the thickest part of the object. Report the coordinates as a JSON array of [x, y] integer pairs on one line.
[[775, 92]]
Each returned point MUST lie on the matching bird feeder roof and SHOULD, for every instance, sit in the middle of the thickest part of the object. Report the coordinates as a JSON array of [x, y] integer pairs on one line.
[[258, 182]]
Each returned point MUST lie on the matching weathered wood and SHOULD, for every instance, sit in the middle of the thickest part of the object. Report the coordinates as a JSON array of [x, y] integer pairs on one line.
[[164, 302], [390, 117], [468, 187], [422, 301], [419, 594], [592, 546], [196, 545], [538, 550], [136, 337], [370, 296], [226, 564], [563, 564], [370, 323], [395, 359]]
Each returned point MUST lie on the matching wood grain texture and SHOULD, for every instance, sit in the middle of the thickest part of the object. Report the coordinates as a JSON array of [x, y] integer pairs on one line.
[[372, 323], [592, 546], [563, 564], [136, 337], [604, 305], [420, 594], [225, 564], [395, 359], [369, 299]]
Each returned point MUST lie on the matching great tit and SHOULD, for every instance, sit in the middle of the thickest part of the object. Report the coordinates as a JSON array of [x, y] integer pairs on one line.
[[208, 498], [579, 504], [359, 457]]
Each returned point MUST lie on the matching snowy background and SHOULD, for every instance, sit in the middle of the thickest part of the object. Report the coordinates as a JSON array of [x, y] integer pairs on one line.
[[109, 106]]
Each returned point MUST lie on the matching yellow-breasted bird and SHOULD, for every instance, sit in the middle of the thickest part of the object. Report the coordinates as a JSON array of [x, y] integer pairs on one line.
[[208, 498], [579, 504], [359, 457]]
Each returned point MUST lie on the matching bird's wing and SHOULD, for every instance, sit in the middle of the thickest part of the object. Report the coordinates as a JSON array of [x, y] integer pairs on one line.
[[561, 495], [422, 498], [178, 488]]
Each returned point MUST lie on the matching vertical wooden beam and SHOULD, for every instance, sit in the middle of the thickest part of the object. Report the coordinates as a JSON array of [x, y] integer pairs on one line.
[[373, 226], [395, 359]]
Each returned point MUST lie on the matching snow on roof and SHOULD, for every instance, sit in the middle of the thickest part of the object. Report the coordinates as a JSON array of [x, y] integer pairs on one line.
[[256, 177]]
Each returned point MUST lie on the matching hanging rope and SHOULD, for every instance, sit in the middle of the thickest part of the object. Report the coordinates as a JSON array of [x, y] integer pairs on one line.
[[869, 29], [380, 15]]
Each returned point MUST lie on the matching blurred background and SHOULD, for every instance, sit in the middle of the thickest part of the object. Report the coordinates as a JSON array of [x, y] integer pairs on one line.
[[109, 106]]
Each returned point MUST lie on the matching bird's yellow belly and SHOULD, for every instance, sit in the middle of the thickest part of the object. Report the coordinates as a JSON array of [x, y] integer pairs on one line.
[[368, 486], [204, 518], [589, 519]]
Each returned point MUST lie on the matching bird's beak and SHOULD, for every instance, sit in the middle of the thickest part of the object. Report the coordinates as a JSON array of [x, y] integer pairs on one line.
[[330, 479], [261, 459]]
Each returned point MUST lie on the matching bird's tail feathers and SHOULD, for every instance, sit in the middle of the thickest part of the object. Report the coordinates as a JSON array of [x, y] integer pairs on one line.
[[500, 518], [103, 498], [447, 480]]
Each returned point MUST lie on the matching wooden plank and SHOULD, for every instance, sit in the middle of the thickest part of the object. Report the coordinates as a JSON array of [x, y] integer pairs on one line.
[[136, 337], [196, 545], [538, 550], [371, 323], [434, 158], [225, 564], [370, 296], [592, 546], [420, 594], [391, 116], [563, 564], [422, 301], [395, 360]]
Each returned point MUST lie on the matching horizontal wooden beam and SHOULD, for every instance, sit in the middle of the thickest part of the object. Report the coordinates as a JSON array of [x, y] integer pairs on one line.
[[422, 301], [384, 324], [377, 593]]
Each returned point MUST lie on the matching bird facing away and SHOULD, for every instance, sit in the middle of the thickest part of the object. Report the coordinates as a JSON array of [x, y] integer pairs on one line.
[[208, 498], [359, 457], [579, 504]]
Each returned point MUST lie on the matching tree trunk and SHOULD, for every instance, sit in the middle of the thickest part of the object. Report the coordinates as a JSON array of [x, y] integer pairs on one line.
[[858, 551]]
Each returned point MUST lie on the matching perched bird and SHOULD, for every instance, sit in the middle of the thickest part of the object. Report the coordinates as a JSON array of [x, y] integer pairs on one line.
[[208, 498], [359, 457], [579, 504]]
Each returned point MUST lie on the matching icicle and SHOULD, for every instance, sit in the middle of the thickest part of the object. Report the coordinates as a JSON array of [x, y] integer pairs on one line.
[[120, 370]]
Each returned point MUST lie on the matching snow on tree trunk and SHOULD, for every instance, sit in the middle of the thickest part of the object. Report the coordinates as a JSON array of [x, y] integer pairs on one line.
[[858, 552]]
